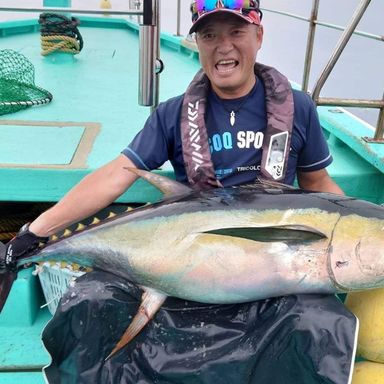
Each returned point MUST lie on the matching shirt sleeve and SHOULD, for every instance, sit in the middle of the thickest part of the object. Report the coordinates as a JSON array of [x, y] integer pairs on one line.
[[149, 149], [315, 154]]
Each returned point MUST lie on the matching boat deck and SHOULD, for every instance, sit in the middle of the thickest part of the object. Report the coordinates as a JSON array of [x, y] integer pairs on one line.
[[94, 113]]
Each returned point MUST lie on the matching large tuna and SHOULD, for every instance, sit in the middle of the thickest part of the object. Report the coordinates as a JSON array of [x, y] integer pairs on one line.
[[231, 245]]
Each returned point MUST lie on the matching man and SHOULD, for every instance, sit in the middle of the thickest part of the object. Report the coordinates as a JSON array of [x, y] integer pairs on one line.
[[236, 110], [228, 48]]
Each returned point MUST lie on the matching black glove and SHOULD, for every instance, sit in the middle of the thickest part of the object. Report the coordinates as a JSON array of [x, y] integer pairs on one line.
[[24, 242]]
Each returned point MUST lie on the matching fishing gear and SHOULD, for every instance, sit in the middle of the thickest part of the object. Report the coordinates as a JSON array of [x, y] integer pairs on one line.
[[17, 83]]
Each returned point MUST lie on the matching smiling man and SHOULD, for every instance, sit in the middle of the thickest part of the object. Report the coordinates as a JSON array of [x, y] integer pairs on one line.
[[238, 120], [228, 48], [239, 93]]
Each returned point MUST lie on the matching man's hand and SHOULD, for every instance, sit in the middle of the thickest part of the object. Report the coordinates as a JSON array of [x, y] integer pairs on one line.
[[24, 242]]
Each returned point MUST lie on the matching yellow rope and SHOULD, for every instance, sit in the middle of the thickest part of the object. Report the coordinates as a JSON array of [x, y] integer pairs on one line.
[[11, 223], [6, 236], [60, 43]]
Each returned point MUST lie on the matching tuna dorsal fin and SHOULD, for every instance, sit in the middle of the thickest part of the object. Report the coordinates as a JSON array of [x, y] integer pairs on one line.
[[281, 233], [266, 183], [151, 301], [166, 185]]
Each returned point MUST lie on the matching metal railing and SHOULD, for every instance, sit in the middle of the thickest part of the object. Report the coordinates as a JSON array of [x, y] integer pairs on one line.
[[150, 51], [89, 11], [149, 35], [348, 31]]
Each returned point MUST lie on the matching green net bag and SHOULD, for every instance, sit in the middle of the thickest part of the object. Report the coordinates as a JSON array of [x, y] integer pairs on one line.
[[17, 83]]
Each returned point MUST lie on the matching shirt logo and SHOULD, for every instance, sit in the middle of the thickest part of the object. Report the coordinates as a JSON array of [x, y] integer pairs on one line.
[[194, 134]]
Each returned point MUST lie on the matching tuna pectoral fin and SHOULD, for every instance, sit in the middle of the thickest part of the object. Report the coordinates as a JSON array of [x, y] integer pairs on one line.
[[150, 303], [281, 233]]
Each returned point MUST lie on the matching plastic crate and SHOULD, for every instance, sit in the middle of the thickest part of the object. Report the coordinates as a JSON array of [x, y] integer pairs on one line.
[[55, 280]]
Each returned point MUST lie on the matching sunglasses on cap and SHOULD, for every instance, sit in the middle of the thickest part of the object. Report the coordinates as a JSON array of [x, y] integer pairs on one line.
[[246, 9]]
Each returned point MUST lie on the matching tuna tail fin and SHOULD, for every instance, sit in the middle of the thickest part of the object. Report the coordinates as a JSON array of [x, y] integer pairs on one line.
[[7, 277], [150, 303], [166, 185]]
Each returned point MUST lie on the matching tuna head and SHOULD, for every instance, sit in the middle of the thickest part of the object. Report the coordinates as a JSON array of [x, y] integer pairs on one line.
[[357, 254]]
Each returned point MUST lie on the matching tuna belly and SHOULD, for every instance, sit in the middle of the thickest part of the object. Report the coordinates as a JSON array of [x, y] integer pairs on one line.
[[219, 269]]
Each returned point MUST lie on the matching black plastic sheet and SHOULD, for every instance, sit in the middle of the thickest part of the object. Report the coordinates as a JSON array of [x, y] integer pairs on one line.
[[294, 339]]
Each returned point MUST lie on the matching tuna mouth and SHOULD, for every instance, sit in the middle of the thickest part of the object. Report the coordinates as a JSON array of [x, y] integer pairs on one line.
[[224, 66]]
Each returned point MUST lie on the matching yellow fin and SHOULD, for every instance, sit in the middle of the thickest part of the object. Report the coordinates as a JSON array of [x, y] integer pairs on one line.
[[166, 185], [80, 227], [151, 301], [95, 221]]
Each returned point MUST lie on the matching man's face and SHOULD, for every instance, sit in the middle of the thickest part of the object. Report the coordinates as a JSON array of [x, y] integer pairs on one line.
[[228, 48]]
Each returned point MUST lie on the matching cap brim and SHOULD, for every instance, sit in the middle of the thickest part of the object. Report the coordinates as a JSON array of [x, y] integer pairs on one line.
[[234, 12]]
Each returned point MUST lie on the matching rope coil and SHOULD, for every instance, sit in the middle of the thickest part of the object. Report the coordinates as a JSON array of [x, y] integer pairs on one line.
[[59, 33]]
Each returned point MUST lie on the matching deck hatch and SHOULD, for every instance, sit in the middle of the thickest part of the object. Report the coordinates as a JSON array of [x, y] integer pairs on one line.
[[46, 144]]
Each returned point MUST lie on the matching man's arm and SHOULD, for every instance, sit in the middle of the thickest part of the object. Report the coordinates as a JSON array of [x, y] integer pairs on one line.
[[93, 193], [318, 181]]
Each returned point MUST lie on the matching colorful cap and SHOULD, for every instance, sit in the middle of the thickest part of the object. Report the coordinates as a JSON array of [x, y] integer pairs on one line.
[[248, 10]]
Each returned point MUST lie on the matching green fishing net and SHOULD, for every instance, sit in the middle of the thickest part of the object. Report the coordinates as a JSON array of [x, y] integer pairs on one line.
[[17, 83]]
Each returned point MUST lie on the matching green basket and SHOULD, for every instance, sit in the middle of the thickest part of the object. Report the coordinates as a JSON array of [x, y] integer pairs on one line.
[[55, 280], [17, 83]]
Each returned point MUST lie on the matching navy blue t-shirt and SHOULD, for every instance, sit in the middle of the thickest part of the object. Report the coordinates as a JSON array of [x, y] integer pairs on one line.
[[235, 150]]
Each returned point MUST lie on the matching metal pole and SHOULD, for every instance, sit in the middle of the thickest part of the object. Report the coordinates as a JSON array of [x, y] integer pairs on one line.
[[149, 53], [324, 24], [146, 55], [379, 134], [157, 54], [146, 65], [71, 10], [358, 33], [178, 18], [356, 103], [340, 47], [310, 44]]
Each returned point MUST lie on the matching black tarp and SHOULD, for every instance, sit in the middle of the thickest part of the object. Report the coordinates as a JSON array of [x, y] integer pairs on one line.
[[298, 339]]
